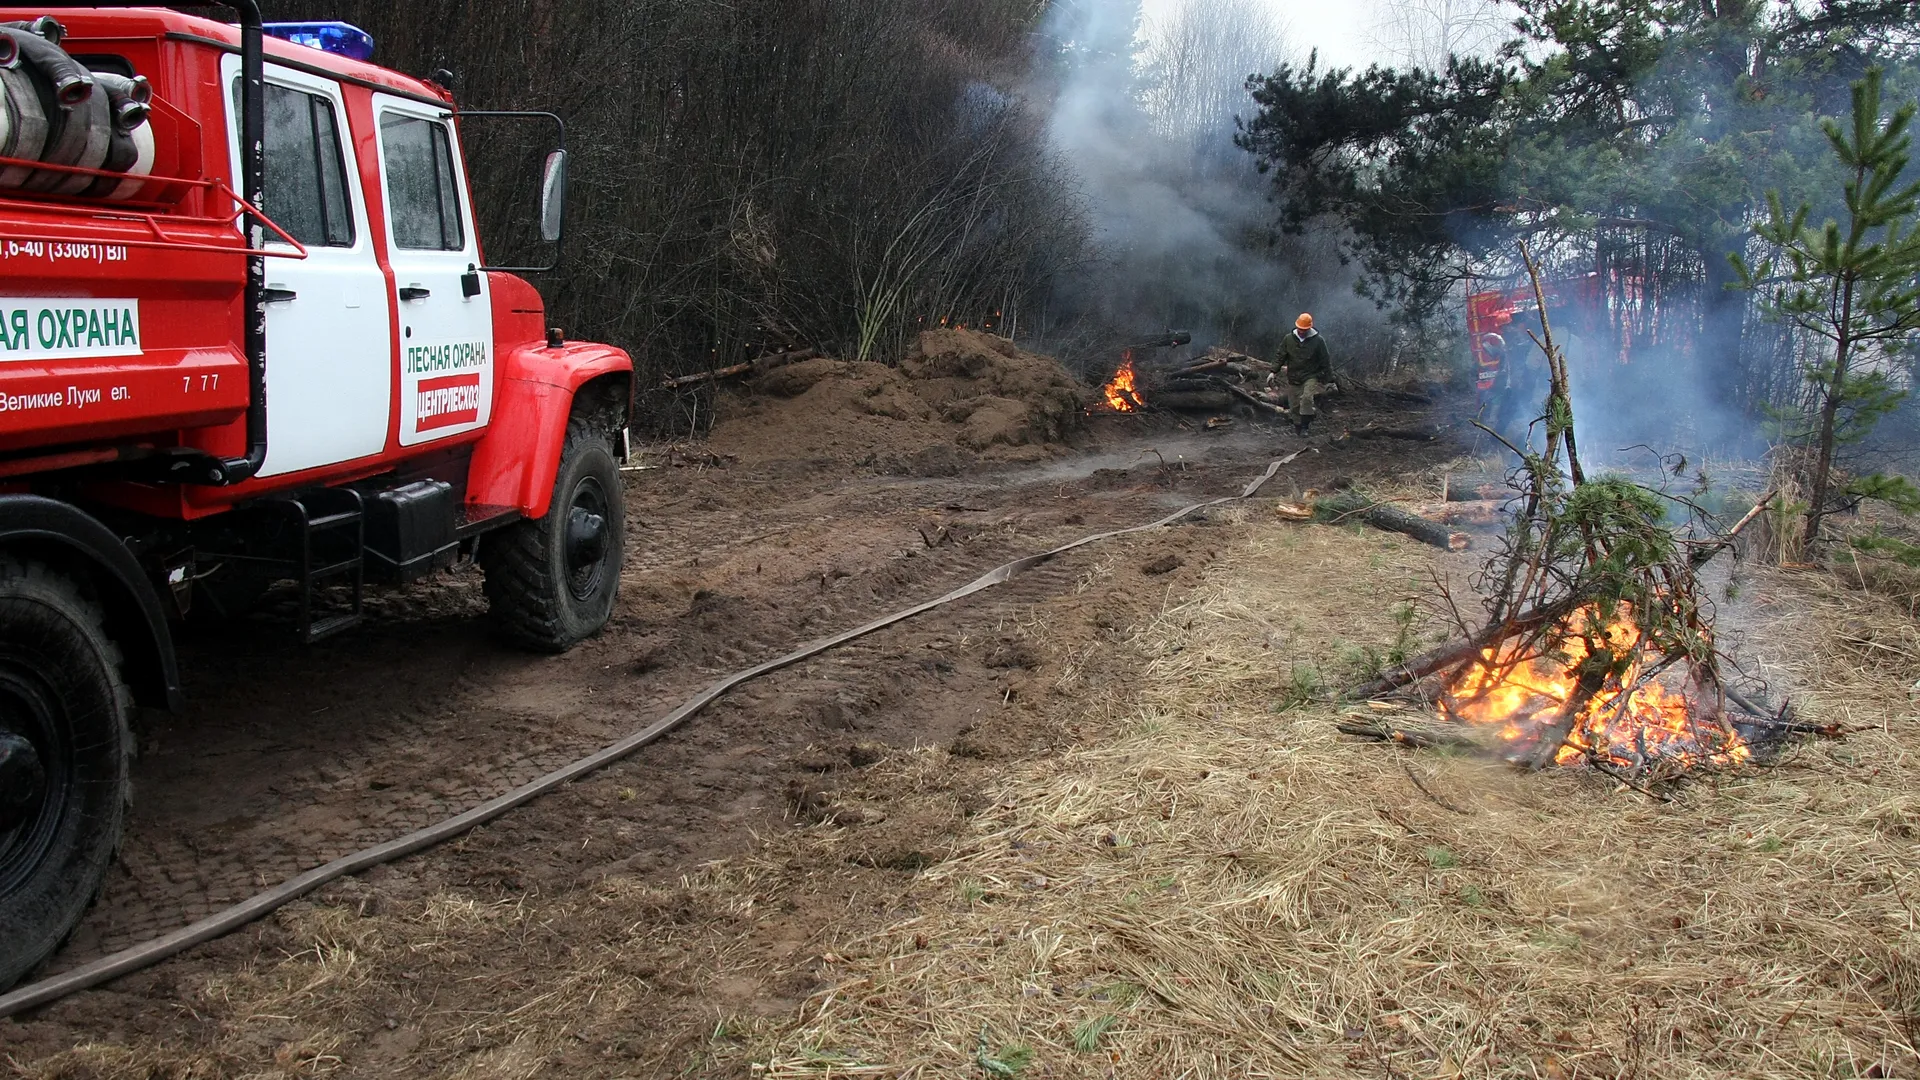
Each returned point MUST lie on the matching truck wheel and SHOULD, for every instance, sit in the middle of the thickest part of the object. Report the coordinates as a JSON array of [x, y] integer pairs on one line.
[[551, 582], [64, 746]]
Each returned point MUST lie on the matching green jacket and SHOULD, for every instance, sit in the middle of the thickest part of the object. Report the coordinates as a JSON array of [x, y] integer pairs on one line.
[[1307, 359]]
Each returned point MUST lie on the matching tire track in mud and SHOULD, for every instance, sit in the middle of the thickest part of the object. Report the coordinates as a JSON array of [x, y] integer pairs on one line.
[[707, 790], [244, 796]]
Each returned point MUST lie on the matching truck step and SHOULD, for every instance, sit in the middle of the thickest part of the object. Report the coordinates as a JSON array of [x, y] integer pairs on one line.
[[335, 569], [476, 518], [334, 521], [330, 545]]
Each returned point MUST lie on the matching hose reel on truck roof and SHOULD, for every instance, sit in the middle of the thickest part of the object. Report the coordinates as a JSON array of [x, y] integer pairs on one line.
[[55, 111], [214, 471]]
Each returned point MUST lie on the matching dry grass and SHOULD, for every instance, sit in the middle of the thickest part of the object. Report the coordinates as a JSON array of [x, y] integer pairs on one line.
[[500, 989], [1209, 883], [1218, 889]]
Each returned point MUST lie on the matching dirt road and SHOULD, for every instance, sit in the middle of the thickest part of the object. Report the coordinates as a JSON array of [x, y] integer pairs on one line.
[[289, 757]]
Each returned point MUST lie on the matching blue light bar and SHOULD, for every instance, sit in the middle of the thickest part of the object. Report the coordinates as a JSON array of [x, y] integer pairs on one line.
[[338, 38]]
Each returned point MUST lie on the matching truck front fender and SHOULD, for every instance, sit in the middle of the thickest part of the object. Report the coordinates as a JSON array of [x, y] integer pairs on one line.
[[515, 462], [75, 542]]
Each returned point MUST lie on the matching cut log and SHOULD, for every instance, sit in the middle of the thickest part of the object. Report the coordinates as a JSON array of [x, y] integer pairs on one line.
[[1201, 367], [1481, 512], [1349, 504], [1478, 488]]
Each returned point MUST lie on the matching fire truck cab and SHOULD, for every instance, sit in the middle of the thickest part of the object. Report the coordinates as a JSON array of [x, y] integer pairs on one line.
[[249, 340]]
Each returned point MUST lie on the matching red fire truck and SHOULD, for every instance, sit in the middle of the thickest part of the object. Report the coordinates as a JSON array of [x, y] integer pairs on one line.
[[248, 338], [1573, 302]]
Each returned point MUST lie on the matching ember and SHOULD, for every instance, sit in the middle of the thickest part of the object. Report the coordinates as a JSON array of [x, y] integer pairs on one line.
[[1121, 394], [1630, 720]]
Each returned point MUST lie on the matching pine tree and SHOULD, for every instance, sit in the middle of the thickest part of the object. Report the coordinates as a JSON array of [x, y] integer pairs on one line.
[[1855, 283]]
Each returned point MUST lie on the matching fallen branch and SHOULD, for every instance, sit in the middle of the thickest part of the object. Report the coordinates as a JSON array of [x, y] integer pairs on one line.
[[1781, 720], [1403, 434], [1249, 398], [751, 367], [1599, 765], [1701, 556], [1424, 790], [1456, 653], [1411, 737]]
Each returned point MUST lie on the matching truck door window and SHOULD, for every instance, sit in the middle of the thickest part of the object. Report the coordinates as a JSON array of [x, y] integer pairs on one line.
[[306, 181], [423, 202]]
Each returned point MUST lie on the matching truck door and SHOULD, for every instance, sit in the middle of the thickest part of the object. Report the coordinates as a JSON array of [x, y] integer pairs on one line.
[[446, 317], [329, 346]]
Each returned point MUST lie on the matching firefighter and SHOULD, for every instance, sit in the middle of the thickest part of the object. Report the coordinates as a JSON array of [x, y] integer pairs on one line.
[[1494, 347], [1519, 388], [1306, 367]]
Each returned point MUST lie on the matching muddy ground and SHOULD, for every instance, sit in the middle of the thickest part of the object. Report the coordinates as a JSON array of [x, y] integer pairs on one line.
[[288, 757]]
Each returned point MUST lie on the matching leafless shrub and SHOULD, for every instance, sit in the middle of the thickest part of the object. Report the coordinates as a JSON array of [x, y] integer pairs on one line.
[[757, 175]]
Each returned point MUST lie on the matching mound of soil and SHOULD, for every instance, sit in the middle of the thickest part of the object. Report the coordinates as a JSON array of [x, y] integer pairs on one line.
[[956, 398]]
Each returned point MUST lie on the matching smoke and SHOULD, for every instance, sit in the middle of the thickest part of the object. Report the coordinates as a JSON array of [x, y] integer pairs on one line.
[[1144, 112], [1669, 354]]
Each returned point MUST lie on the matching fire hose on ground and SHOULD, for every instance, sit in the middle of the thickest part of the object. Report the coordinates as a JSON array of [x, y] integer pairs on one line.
[[230, 919]]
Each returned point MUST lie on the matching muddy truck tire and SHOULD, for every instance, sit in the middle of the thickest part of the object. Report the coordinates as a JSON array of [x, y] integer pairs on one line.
[[64, 746], [550, 582]]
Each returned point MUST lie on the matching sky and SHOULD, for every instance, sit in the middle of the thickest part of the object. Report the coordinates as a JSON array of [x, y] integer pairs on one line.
[[1341, 29]]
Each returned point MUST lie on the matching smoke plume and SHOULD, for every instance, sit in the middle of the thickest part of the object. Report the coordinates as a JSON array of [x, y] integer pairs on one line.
[[1144, 112]]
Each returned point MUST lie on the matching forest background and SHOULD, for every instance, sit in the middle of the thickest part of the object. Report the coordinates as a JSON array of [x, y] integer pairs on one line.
[[839, 174]]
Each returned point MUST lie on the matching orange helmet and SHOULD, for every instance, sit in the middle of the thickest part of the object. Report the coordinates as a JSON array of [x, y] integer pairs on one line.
[[1304, 322]]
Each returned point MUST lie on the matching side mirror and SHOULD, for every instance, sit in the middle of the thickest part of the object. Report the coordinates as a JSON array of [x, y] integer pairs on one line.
[[514, 156], [553, 196]]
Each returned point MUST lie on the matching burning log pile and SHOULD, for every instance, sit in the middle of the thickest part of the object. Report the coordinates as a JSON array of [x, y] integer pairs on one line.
[[1219, 381], [1598, 647]]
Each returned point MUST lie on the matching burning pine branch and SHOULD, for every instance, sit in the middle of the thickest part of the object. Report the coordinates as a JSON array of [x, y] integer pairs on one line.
[[1598, 647]]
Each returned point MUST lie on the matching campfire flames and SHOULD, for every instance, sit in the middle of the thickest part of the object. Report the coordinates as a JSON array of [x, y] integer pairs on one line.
[[1524, 696], [1121, 393]]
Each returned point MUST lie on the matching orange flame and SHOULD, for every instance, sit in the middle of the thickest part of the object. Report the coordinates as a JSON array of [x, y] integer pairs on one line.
[[1121, 393], [1523, 697]]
